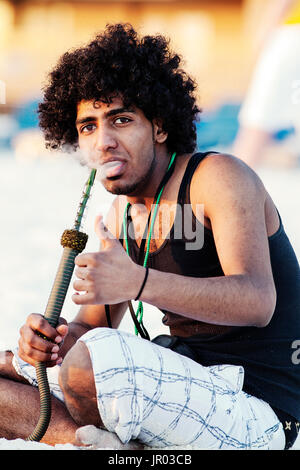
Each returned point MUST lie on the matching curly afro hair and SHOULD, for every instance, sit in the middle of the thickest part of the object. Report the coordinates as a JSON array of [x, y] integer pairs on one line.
[[143, 71]]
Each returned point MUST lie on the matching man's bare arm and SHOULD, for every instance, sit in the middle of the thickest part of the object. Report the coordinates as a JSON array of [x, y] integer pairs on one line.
[[246, 295], [234, 203]]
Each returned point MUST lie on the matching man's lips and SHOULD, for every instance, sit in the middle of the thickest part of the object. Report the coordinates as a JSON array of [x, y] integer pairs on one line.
[[112, 167]]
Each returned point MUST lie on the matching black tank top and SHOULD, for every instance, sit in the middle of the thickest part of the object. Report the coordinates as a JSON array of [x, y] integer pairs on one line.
[[268, 355]]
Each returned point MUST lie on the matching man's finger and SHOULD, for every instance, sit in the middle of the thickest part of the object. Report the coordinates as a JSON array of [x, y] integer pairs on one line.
[[105, 236], [83, 299], [41, 325], [85, 259], [80, 285]]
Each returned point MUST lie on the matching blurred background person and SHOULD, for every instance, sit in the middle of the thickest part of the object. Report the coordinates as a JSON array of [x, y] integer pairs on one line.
[[272, 101]]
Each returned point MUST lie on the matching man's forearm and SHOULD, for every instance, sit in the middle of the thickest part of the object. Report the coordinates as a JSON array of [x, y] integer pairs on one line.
[[225, 300]]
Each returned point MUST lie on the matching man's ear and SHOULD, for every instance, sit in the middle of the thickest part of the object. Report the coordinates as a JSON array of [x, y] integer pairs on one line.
[[159, 135]]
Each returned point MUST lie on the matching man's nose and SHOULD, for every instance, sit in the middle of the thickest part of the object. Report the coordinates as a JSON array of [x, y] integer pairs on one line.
[[105, 139]]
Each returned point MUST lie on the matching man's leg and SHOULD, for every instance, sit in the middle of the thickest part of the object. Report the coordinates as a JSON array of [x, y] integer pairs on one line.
[[20, 405], [152, 394], [20, 408], [77, 382]]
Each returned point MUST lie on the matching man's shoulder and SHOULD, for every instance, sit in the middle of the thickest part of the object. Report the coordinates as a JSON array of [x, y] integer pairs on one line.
[[219, 172], [225, 163]]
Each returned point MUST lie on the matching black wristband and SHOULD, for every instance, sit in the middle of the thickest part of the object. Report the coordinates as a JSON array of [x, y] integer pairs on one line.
[[143, 285]]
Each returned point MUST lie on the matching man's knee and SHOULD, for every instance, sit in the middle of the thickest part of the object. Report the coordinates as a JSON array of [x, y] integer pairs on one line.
[[76, 368], [76, 380], [7, 369]]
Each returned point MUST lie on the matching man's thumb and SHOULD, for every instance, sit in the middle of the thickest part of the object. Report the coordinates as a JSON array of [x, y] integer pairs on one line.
[[105, 236]]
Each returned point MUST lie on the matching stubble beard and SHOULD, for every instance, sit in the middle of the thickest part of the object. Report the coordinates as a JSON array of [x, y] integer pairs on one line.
[[134, 188]]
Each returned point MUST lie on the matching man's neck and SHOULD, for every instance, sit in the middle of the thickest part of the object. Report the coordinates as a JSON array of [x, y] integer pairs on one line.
[[147, 193]]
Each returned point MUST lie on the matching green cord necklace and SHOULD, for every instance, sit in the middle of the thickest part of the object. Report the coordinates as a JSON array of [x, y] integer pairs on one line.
[[140, 310]]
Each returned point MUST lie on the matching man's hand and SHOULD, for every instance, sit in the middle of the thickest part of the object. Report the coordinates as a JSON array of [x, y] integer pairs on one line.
[[34, 347], [108, 276]]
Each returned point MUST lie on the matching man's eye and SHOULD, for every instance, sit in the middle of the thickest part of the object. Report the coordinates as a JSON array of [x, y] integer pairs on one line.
[[87, 128], [122, 120]]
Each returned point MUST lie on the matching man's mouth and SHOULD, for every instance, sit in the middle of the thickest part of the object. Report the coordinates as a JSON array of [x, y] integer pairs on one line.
[[112, 168]]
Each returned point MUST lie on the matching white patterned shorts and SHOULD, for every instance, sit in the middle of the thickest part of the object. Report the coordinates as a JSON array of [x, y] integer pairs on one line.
[[150, 393]]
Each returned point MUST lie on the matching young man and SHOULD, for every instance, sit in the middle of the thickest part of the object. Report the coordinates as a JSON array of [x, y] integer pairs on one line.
[[229, 290]]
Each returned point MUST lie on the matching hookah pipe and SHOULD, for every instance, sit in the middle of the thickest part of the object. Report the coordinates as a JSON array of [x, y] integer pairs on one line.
[[73, 242]]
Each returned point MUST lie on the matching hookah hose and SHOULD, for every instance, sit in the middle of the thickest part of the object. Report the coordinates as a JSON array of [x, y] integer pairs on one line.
[[73, 242]]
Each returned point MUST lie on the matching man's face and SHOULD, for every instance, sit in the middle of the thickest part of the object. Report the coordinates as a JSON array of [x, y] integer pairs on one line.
[[118, 142]]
